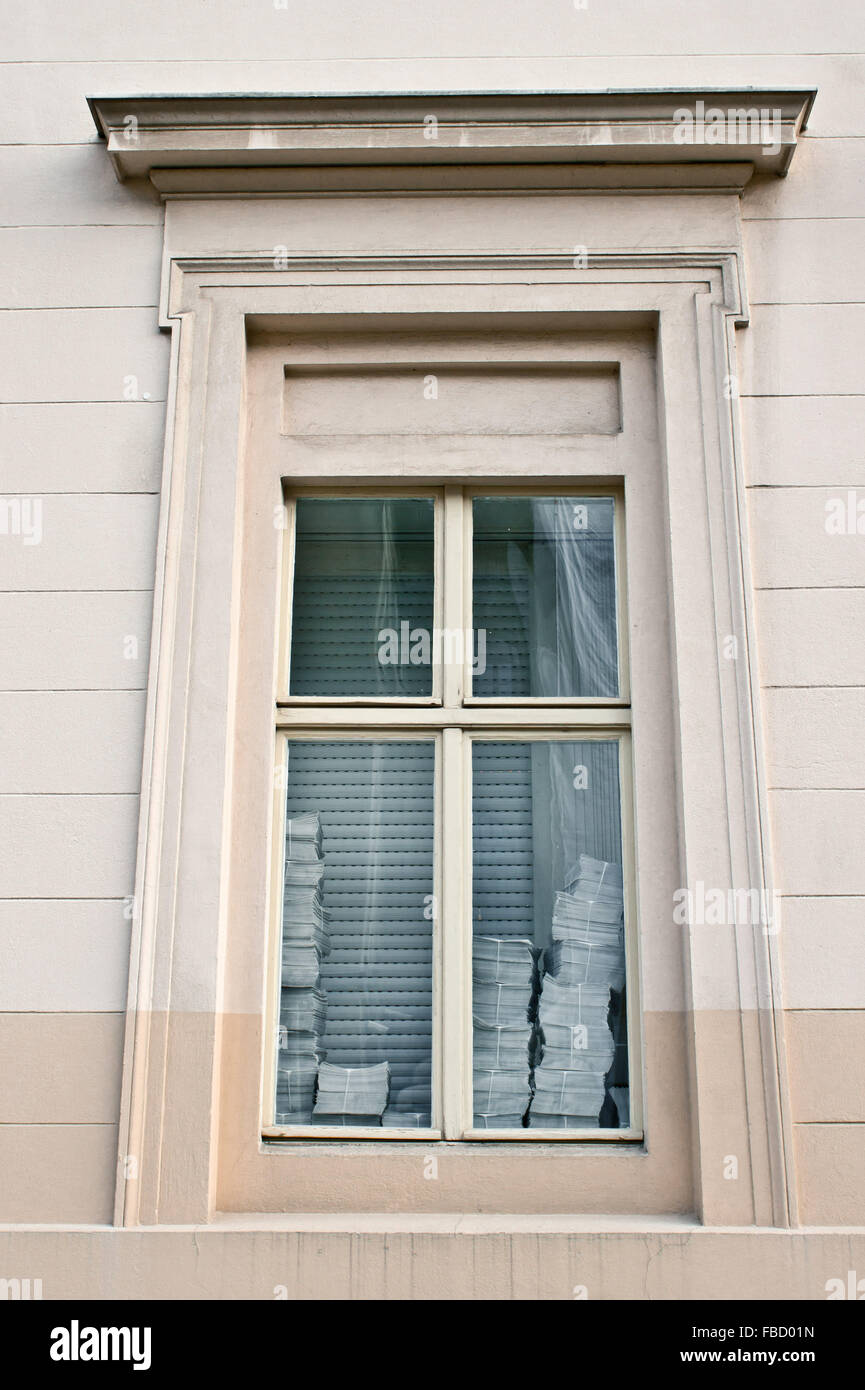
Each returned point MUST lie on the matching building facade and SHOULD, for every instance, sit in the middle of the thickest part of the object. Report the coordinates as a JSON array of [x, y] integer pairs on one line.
[[433, 489]]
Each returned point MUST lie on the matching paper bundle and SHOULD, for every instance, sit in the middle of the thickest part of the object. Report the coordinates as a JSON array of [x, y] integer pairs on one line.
[[506, 960], [357, 1093], [501, 1090], [301, 964], [498, 1003], [589, 962], [575, 911], [301, 1011], [304, 918], [570, 1005], [565, 1092], [502, 1044], [303, 838], [302, 873], [600, 876], [295, 1086], [576, 1047]]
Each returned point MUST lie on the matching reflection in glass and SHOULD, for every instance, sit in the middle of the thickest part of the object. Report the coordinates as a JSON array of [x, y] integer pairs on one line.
[[355, 1024], [548, 949], [544, 593], [362, 607]]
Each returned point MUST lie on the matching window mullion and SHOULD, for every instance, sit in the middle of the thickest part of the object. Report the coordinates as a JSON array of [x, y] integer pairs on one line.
[[453, 596], [454, 925], [454, 920]]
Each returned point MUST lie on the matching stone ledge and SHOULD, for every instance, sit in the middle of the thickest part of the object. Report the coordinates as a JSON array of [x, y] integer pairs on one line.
[[327, 1261], [609, 139]]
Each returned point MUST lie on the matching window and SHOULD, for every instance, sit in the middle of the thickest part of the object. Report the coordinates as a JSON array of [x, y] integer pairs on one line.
[[643, 329], [453, 947]]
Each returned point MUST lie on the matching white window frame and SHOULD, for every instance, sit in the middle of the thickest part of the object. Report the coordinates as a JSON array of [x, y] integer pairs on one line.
[[455, 720]]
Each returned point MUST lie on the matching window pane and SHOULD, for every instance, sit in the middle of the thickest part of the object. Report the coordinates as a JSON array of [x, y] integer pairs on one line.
[[544, 596], [548, 951], [355, 1034], [362, 613]]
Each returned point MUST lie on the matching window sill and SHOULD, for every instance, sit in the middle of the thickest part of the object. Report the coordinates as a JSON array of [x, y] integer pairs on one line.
[[278, 1135]]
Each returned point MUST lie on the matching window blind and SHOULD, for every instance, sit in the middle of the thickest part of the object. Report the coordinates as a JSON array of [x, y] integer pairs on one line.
[[362, 568], [374, 799]]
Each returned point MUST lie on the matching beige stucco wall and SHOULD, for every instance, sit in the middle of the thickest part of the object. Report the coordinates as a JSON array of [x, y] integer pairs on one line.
[[803, 412], [79, 287]]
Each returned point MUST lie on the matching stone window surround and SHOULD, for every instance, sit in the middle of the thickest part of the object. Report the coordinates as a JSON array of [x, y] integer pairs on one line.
[[248, 150]]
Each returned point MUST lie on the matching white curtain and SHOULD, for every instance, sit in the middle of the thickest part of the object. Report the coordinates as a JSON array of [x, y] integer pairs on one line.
[[565, 589]]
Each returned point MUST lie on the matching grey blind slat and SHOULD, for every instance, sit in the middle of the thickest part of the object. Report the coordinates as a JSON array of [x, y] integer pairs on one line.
[[361, 566], [335, 627], [496, 610]]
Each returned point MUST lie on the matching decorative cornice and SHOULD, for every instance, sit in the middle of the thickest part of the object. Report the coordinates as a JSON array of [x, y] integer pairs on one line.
[[204, 145]]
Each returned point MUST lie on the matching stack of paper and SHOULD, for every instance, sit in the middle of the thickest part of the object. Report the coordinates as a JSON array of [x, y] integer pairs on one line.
[[507, 960], [304, 919], [303, 838], [576, 1053], [352, 1095], [585, 962], [303, 1011], [565, 1092], [301, 964], [573, 1005], [504, 994], [501, 1091], [578, 909], [577, 1047], [303, 1005], [295, 1087], [601, 877], [588, 927], [495, 1003], [593, 962], [502, 1044]]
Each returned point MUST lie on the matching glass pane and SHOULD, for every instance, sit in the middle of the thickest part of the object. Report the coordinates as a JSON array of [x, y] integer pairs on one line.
[[544, 596], [548, 947], [355, 1024], [362, 612]]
